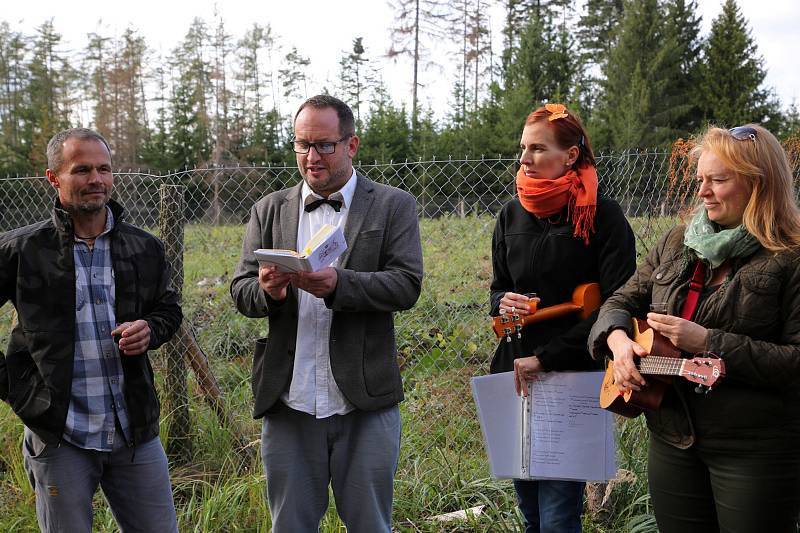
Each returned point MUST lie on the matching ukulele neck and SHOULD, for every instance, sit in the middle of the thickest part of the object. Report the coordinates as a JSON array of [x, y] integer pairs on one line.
[[666, 366]]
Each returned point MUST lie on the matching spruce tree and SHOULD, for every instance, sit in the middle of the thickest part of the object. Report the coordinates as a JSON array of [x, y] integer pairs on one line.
[[597, 29], [544, 68], [130, 109], [419, 24], [354, 78], [386, 134], [190, 139], [13, 91], [732, 73], [641, 74], [222, 47], [51, 94], [158, 149], [682, 34], [470, 28], [259, 127], [293, 75], [791, 122]]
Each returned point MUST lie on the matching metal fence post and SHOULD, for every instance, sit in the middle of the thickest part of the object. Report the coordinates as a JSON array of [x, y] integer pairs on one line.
[[176, 401]]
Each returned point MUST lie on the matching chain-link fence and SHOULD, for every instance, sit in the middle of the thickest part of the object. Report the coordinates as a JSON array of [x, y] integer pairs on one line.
[[443, 341]]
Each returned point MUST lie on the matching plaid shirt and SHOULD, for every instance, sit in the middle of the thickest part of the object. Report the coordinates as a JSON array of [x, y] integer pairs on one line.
[[97, 405]]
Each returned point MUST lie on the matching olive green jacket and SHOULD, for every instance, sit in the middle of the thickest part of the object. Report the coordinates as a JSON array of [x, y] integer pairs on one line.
[[753, 322]]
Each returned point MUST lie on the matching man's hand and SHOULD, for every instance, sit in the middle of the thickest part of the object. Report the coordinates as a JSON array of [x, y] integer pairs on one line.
[[626, 375], [134, 337], [526, 369], [320, 284], [684, 334], [273, 282]]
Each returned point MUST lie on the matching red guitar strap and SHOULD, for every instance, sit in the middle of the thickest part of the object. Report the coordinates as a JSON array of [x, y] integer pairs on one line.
[[695, 286]]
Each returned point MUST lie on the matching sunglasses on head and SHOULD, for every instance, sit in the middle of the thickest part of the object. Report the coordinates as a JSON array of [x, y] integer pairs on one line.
[[743, 133]]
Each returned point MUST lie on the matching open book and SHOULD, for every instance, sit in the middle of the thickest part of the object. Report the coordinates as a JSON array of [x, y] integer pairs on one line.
[[324, 247], [559, 431]]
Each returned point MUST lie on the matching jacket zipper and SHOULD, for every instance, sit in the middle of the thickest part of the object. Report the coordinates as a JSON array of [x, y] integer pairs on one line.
[[539, 244]]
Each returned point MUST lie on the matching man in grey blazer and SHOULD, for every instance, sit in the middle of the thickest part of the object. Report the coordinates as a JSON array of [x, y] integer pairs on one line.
[[326, 379]]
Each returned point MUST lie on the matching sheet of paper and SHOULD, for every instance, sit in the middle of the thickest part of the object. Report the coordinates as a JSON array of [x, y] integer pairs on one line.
[[570, 432]]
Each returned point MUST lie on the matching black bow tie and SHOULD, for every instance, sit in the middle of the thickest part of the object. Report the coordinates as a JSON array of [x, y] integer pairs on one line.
[[335, 204]]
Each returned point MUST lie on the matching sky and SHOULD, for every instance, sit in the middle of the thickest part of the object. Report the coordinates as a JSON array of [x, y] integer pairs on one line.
[[322, 30]]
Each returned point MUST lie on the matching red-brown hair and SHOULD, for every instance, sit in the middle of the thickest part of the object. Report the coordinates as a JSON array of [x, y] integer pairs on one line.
[[569, 131]]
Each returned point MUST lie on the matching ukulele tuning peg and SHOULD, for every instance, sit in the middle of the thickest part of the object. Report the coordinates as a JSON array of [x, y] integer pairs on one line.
[[508, 338], [702, 389]]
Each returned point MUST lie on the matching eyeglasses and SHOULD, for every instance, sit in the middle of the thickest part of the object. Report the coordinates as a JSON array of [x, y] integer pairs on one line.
[[743, 133], [322, 147]]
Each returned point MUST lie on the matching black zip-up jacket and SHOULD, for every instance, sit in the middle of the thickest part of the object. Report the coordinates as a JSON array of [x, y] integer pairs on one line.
[[530, 254], [37, 274]]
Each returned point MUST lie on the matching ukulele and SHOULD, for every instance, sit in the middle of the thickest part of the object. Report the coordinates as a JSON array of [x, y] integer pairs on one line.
[[664, 360], [585, 300]]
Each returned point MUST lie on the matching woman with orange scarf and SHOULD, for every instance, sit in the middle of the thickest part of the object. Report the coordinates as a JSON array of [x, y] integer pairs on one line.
[[555, 235]]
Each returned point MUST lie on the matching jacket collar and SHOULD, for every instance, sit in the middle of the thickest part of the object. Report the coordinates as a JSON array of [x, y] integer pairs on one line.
[[63, 220]]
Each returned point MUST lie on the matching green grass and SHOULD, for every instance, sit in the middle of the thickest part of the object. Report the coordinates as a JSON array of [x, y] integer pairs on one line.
[[443, 342]]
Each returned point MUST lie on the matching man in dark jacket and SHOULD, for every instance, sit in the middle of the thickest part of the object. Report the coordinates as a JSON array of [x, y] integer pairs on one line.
[[92, 297]]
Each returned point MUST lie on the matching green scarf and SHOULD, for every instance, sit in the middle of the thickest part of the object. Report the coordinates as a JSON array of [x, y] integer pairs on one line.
[[714, 244]]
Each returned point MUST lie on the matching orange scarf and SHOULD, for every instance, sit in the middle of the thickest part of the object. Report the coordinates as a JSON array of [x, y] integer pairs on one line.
[[576, 190]]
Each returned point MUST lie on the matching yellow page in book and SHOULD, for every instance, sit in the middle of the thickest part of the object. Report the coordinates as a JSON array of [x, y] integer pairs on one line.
[[319, 237]]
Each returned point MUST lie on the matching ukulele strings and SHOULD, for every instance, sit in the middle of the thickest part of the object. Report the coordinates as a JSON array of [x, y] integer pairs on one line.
[[660, 365]]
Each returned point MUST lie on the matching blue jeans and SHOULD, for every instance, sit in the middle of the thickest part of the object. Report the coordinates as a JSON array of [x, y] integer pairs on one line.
[[550, 506], [135, 482]]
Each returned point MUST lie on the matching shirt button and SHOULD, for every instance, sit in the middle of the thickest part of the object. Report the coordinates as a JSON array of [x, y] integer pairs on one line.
[[106, 354], [659, 275], [99, 301], [114, 380]]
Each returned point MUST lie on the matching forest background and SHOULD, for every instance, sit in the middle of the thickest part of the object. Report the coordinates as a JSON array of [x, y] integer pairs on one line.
[[639, 73]]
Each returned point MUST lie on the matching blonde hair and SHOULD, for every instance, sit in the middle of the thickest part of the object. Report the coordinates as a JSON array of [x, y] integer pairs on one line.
[[771, 214]]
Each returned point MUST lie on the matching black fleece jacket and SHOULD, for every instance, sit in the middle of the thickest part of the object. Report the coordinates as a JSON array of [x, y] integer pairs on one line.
[[530, 254]]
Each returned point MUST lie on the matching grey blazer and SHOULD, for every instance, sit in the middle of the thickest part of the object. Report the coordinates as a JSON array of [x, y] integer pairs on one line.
[[379, 273]]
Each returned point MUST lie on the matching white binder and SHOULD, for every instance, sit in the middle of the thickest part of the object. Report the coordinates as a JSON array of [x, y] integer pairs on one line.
[[559, 431]]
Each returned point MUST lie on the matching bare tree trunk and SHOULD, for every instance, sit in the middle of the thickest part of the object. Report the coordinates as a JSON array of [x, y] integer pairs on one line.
[[414, 105], [477, 53], [212, 394]]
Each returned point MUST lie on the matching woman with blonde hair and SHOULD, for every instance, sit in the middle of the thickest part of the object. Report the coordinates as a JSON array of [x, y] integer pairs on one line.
[[728, 460]]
